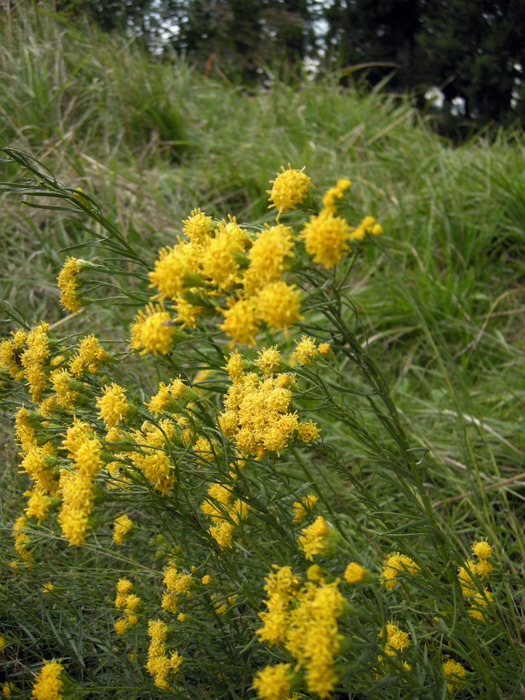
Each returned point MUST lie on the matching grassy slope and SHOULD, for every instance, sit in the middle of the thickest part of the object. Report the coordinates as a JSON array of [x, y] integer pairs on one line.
[[441, 303]]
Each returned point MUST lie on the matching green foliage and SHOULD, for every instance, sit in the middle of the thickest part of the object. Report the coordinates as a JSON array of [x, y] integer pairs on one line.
[[438, 304]]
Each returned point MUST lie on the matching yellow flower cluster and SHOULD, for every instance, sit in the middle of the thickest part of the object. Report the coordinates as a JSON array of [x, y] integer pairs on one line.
[[48, 684], [10, 353], [177, 584], [334, 193], [220, 267], [89, 356], [290, 188], [256, 415], [273, 682], [315, 538], [129, 602], [393, 565], [454, 673], [159, 665], [480, 597], [67, 283], [76, 484], [304, 619], [394, 641], [121, 527], [225, 513], [354, 573], [153, 459], [301, 508]]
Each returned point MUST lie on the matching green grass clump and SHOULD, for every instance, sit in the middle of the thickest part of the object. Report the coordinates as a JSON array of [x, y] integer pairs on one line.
[[419, 401]]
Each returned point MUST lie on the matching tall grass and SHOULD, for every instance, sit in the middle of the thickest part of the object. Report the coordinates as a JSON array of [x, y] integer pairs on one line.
[[439, 302]]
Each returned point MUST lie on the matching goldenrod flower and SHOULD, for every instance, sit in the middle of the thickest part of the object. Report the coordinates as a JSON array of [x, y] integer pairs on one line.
[[48, 684], [152, 331], [367, 226], [267, 257], [113, 406], [305, 351], [121, 527], [240, 321], [314, 538], [393, 565], [273, 682], [333, 193], [278, 304], [290, 188], [454, 673], [482, 549], [354, 573], [302, 508], [67, 283], [198, 226], [168, 273], [396, 639], [325, 237]]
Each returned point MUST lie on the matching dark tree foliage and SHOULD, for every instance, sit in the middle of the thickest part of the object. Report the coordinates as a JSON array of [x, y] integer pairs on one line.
[[471, 49]]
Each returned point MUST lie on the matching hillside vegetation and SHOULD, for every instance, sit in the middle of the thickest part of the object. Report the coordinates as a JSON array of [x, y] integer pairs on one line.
[[439, 301]]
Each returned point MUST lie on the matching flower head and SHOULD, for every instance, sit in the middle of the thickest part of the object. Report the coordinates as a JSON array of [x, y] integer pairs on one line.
[[278, 304], [325, 237], [67, 283], [290, 188], [273, 682], [48, 684]]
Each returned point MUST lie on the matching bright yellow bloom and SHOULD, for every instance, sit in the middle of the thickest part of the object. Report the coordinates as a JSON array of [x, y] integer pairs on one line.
[[240, 321], [305, 351], [90, 355], [267, 257], [354, 573], [393, 565], [482, 549], [368, 225], [273, 682], [38, 504], [314, 538], [113, 406], [206, 579], [396, 639], [61, 380], [479, 603], [168, 273], [278, 304], [467, 577], [219, 263], [334, 193], [121, 527], [454, 673], [152, 331], [483, 568], [10, 351], [325, 238], [47, 684], [290, 188], [67, 283], [21, 537], [198, 226], [302, 508]]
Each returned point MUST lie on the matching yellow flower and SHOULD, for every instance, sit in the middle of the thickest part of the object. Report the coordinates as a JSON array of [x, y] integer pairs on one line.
[[152, 331], [67, 283], [314, 538], [482, 549], [273, 682], [121, 527], [278, 304], [301, 509], [206, 579], [113, 406], [454, 673], [47, 684], [267, 257], [396, 639], [168, 273], [354, 573], [368, 225], [290, 188], [325, 238], [305, 351], [268, 360], [240, 321], [393, 565], [198, 226], [334, 193]]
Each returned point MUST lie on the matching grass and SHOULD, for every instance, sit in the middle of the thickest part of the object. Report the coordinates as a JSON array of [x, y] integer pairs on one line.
[[440, 300]]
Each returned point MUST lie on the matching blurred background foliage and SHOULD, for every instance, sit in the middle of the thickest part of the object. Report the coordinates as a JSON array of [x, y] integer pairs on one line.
[[473, 51]]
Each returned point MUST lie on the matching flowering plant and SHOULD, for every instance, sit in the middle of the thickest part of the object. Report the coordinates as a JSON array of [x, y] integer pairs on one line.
[[207, 452]]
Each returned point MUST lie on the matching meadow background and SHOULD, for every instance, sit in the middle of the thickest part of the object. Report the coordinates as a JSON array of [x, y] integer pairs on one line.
[[441, 301]]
